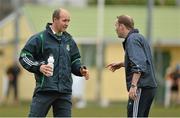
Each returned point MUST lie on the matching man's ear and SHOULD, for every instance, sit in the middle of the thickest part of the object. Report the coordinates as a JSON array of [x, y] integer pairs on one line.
[[121, 26], [55, 19]]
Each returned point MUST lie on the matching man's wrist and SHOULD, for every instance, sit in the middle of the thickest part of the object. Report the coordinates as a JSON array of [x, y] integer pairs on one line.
[[133, 85]]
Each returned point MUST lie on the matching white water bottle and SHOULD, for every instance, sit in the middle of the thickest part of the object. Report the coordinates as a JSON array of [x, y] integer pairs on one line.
[[51, 63]]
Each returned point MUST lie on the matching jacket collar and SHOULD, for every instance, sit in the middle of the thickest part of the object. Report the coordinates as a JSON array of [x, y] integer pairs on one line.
[[131, 32], [64, 35], [48, 29], [51, 32]]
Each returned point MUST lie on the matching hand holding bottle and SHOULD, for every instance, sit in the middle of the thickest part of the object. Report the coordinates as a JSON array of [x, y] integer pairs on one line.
[[47, 70]]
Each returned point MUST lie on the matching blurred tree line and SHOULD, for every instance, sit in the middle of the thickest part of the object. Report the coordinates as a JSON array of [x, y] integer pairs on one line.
[[7, 6], [137, 2]]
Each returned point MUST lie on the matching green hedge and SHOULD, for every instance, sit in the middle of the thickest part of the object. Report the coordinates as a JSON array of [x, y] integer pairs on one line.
[[133, 2]]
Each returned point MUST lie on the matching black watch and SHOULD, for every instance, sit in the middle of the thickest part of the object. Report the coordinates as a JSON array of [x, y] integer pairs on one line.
[[133, 86]]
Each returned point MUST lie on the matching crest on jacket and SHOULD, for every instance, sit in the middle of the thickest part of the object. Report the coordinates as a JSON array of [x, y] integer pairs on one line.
[[68, 47]]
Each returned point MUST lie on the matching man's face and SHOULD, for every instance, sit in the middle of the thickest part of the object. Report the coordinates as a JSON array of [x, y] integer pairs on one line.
[[63, 22], [119, 29]]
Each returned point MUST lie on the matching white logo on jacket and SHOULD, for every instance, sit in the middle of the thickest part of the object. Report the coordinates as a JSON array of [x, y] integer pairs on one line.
[[68, 47]]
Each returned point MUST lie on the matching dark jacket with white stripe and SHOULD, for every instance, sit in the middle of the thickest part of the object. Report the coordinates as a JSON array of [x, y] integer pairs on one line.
[[66, 55], [138, 58]]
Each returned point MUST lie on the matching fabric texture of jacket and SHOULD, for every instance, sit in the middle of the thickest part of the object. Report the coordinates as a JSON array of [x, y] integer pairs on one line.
[[66, 60], [138, 58]]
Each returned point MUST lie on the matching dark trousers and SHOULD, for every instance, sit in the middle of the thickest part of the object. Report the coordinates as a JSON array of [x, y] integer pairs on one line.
[[141, 106], [42, 101]]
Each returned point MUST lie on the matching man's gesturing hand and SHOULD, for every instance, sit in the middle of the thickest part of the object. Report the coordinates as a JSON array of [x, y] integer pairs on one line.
[[114, 66], [84, 71]]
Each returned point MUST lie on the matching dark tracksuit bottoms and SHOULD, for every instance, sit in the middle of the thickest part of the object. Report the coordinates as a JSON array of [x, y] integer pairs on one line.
[[42, 101], [141, 106]]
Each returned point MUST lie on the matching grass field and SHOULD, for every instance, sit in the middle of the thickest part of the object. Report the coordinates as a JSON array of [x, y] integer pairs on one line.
[[92, 110], [166, 20]]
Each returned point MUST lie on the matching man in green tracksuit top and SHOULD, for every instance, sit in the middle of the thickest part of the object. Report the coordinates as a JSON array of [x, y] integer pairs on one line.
[[53, 83]]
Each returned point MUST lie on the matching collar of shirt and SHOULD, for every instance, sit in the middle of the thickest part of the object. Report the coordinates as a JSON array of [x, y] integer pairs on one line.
[[58, 34]]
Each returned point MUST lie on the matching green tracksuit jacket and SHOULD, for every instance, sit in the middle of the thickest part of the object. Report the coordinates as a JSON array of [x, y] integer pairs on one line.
[[66, 55]]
